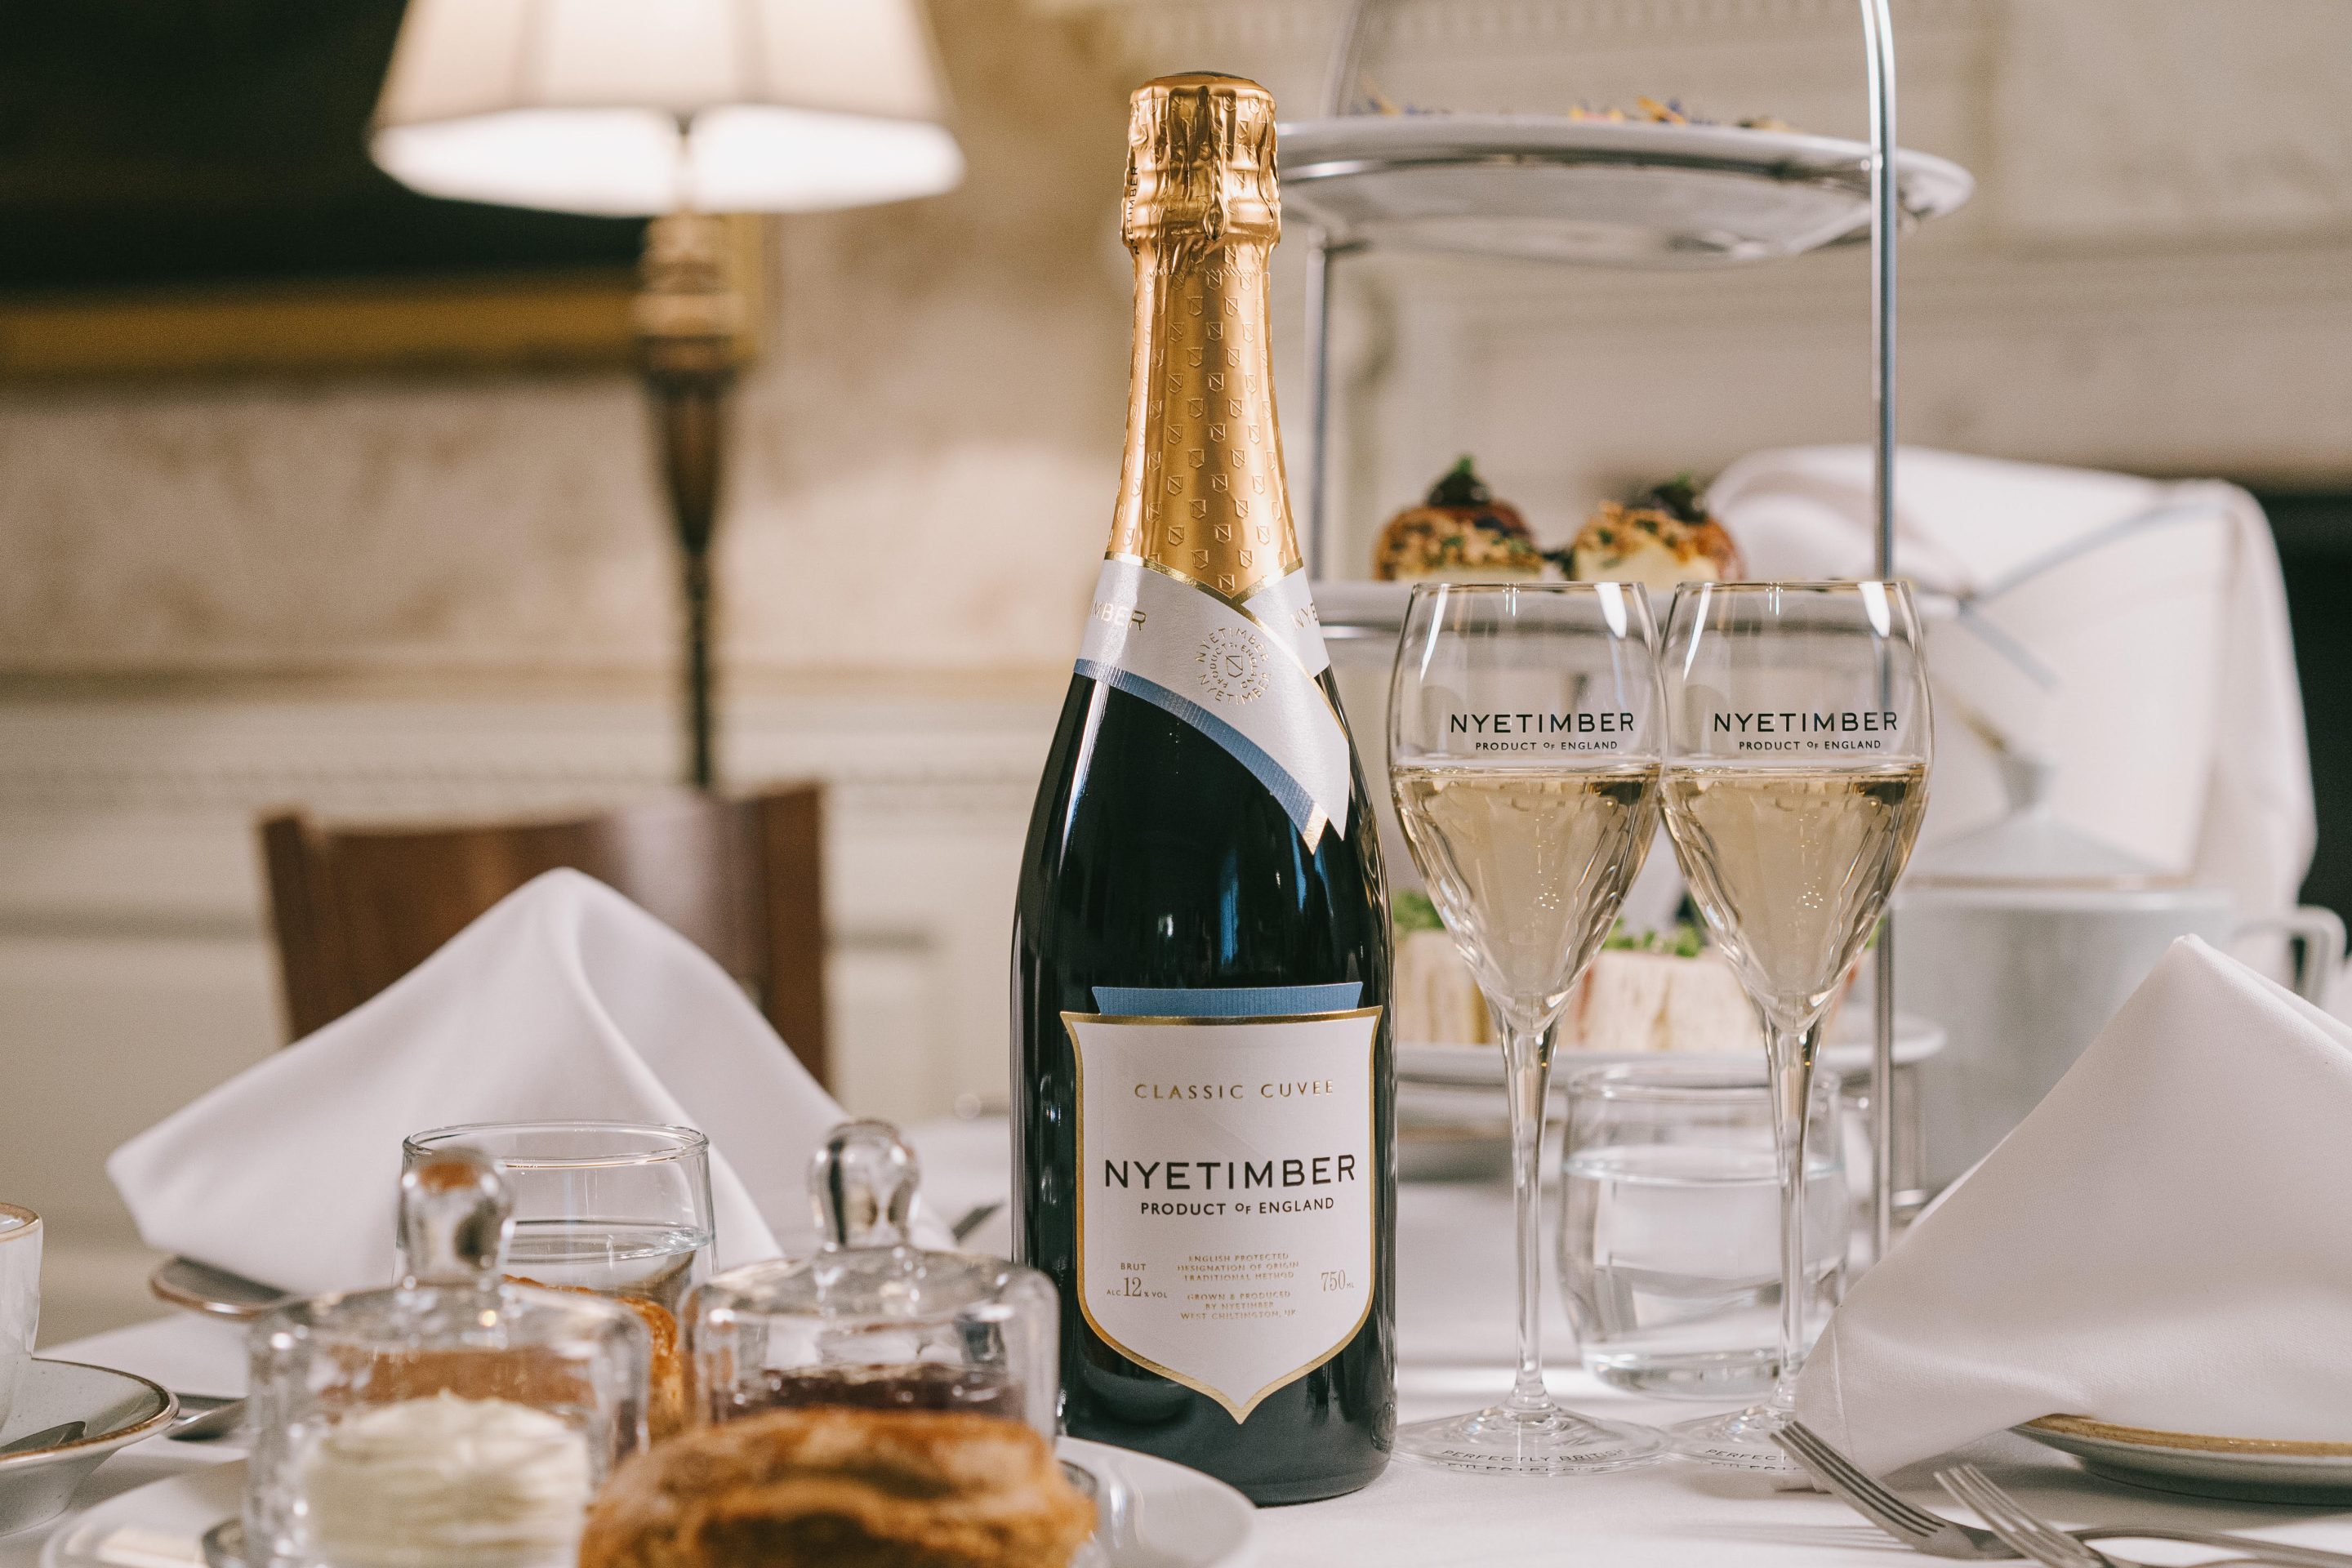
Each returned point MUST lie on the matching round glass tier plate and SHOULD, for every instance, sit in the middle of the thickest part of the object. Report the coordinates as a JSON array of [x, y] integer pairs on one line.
[[1593, 192], [1362, 620], [1481, 1067]]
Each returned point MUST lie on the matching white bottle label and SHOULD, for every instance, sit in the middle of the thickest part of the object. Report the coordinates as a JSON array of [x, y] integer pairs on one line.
[[1242, 675], [1227, 1192]]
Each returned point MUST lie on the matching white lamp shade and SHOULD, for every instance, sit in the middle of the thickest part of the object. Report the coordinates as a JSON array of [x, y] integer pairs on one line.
[[578, 105]]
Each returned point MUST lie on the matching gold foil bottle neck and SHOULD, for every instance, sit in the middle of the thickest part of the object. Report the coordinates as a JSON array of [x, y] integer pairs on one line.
[[1201, 492], [1201, 163]]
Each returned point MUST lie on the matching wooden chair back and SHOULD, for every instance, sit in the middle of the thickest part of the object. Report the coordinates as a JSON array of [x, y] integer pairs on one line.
[[356, 908]]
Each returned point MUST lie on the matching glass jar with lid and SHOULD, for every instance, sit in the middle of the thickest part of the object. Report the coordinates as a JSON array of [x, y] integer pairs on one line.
[[453, 1421], [872, 1320]]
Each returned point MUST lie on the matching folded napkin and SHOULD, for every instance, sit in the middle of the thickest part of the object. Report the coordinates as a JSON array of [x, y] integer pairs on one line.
[[563, 1001], [2238, 811], [2165, 1242]]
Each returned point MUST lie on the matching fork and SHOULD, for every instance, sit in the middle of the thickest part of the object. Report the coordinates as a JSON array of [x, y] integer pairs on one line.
[[1940, 1537], [1971, 1488], [2055, 1547]]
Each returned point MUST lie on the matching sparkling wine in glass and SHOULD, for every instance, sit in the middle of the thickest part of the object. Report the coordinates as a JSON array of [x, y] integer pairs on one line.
[[1796, 774], [1525, 725]]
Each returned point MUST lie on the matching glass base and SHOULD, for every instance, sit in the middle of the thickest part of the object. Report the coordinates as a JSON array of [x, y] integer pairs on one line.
[[1498, 1441], [1740, 1441]]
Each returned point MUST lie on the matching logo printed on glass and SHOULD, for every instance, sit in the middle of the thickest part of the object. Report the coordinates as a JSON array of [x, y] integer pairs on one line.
[[1806, 731], [1551, 733]]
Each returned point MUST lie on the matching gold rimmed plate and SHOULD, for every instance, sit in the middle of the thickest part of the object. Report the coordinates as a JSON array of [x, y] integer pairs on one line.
[[2256, 1469]]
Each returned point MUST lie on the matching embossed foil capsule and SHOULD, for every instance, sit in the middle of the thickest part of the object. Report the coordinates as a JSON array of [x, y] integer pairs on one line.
[[1203, 608]]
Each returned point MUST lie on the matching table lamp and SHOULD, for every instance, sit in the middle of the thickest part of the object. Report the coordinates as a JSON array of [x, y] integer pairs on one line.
[[678, 111]]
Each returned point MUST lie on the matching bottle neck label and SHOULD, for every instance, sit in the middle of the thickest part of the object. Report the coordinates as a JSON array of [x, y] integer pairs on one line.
[[1243, 673]]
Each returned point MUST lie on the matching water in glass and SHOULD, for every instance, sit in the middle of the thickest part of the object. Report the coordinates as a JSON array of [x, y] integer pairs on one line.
[[1669, 1260]]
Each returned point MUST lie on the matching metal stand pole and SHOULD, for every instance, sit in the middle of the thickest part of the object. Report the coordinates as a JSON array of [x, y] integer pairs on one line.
[[1339, 93], [1878, 34], [1319, 258]]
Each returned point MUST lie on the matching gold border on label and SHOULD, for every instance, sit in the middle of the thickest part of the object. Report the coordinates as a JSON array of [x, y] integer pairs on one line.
[[1070, 1020]]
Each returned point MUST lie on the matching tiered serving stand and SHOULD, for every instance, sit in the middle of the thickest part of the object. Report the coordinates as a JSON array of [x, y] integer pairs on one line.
[[1613, 194]]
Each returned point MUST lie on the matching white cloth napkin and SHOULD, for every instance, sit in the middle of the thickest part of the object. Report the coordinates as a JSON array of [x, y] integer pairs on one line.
[[563, 1001], [2221, 788], [2165, 1242]]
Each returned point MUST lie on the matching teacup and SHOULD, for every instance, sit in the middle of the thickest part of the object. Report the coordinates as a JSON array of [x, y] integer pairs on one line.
[[20, 1297]]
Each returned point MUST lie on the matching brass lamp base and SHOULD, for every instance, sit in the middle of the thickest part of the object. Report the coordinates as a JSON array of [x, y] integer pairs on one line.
[[696, 328]]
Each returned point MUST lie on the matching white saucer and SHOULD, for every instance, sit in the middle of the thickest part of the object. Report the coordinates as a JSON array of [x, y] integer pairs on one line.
[[1164, 1516], [114, 1408], [1158, 1514], [160, 1523]]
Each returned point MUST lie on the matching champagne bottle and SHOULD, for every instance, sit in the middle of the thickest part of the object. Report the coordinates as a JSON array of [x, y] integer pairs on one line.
[[1203, 1091]]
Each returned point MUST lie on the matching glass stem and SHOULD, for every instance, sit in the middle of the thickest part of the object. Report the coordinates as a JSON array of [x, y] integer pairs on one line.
[[1792, 1065], [1527, 1062]]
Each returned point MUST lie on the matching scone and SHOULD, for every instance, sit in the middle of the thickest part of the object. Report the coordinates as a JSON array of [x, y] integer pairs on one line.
[[531, 1375], [666, 1380], [1661, 541], [837, 1488], [1459, 533]]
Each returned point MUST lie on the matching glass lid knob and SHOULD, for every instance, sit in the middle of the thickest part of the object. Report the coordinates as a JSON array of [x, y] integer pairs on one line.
[[862, 1179], [456, 1215]]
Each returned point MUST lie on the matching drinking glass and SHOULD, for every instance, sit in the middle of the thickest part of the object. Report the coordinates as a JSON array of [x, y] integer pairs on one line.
[[1796, 774], [621, 1208], [20, 1297], [1525, 724], [1670, 1231]]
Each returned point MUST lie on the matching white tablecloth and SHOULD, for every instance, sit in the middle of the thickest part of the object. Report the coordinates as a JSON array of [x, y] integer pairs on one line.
[[1454, 1333]]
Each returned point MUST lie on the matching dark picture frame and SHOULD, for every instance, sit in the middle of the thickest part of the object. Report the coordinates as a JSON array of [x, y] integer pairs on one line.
[[185, 189]]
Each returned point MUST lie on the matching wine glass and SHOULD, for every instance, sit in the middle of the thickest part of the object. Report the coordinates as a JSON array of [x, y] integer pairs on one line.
[[1525, 727], [1796, 774]]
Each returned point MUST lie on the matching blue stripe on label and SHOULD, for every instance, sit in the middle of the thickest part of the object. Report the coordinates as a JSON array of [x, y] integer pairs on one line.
[[1226, 1001], [1295, 802]]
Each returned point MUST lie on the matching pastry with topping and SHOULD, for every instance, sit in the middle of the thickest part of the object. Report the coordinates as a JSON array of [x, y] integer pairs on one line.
[[1648, 111], [1661, 540], [1461, 533]]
